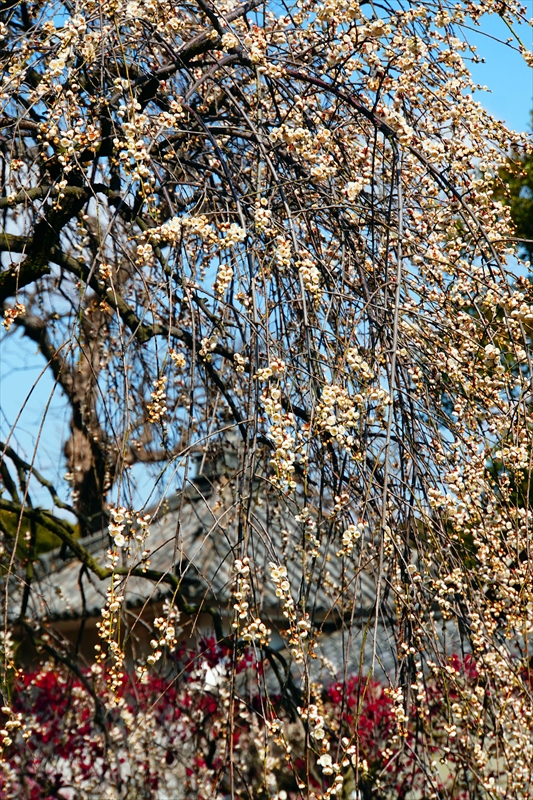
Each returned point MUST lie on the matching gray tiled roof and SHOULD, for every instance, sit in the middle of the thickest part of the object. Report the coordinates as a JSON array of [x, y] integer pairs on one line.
[[198, 535], [198, 538]]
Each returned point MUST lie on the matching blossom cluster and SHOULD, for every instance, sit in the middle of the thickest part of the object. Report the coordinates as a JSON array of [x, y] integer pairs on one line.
[[299, 625]]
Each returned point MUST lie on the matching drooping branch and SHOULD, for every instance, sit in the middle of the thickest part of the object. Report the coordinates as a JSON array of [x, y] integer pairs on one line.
[[42, 243]]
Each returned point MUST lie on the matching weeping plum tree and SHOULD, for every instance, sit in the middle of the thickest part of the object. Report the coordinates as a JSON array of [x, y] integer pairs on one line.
[[275, 222]]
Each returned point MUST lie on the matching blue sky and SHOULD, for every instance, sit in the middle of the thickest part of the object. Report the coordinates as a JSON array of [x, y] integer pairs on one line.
[[505, 73]]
